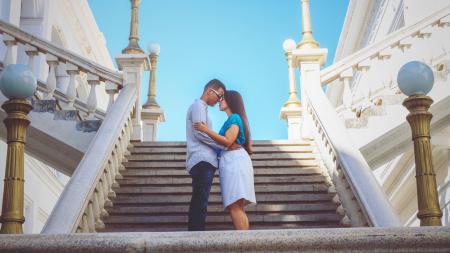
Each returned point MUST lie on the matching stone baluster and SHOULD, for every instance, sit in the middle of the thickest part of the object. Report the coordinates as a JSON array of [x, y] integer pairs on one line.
[[52, 62], [101, 198], [111, 89], [108, 202], [90, 217], [84, 224], [347, 96], [11, 50], [97, 210], [92, 80], [31, 53], [71, 92]]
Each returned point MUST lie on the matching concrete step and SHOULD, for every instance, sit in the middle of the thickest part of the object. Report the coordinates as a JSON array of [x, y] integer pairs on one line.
[[256, 143], [132, 172], [216, 189], [256, 149], [182, 164], [218, 208], [255, 157], [164, 219], [171, 227], [186, 180], [152, 199]]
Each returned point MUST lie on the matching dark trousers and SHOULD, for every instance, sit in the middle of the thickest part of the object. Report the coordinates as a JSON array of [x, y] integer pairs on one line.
[[202, 176]]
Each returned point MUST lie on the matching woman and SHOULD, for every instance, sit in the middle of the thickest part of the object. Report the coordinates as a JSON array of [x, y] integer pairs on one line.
[[235, 166]]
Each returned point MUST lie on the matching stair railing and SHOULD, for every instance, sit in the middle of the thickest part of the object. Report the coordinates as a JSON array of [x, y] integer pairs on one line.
[[357, 188], [81, 206], [78, 69], [357, 81]]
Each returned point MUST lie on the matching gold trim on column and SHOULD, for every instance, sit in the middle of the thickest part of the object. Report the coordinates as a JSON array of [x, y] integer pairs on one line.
[[308, 40], [133, 44], [13, 194], [427, 196]]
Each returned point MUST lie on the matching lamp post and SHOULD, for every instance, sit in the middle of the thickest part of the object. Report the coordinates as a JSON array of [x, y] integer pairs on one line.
[[289, 45], [154, 50], [17, 83], [415, 79]]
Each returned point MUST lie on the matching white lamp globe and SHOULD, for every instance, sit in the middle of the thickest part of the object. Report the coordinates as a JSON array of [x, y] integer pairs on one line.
[[154, 48], [415, 78], [289, 45], [17, 81]]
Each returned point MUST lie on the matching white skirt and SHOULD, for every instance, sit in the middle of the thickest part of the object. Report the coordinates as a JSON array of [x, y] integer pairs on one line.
[[236, 177]]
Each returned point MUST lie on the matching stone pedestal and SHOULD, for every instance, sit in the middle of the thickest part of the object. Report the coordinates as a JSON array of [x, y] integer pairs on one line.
[[293, 116], [133, 66], [151, 117]]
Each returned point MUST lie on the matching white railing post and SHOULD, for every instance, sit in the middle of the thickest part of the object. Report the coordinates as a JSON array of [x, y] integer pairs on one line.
[[93, 81], [111, 89], [71, 92], [52, 62], [31, 53], [11, 50], [347, 95], [133, 66]]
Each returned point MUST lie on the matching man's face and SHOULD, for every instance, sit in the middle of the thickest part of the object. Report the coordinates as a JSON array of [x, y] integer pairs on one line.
[[214, 96]]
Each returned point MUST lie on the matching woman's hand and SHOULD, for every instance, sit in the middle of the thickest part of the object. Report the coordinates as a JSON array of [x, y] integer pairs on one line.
[[200, 126]]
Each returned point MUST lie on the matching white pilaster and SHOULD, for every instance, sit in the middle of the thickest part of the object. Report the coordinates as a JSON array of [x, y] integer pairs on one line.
[[133, 66], [151, 117], [309, 61], [293, 116]]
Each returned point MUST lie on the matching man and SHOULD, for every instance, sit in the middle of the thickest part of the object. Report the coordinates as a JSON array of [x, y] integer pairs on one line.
[[201, 159]]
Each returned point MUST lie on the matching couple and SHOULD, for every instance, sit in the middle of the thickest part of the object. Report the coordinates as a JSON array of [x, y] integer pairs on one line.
[[231, 146]]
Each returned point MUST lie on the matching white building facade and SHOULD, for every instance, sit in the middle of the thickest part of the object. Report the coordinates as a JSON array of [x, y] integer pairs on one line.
[[370, 104], [68, 24]]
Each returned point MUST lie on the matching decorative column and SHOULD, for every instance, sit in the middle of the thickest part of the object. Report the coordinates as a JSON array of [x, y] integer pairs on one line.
[[133, 62], [292, 111], [17, 83], [133, 44], [415, 79], [309, 57], [152, 114]]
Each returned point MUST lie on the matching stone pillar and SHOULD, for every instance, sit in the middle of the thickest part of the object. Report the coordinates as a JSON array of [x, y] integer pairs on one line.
[[151, 118], [309, 61], [133, 66]]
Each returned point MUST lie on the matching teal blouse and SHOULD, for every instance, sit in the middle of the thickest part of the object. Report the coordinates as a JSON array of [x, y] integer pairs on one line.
[[236, 120]]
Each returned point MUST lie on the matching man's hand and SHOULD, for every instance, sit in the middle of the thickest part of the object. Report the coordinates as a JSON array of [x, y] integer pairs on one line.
[[200, 126], [234, 146]]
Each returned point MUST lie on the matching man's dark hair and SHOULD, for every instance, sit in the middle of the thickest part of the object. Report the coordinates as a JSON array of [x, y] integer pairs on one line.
[[214, 84]]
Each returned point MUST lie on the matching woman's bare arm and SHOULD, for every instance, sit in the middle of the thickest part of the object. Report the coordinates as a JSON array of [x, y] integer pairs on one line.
[[227, 140]]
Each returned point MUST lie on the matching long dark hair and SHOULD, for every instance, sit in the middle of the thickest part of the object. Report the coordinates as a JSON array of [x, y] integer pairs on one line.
[[236, 105]]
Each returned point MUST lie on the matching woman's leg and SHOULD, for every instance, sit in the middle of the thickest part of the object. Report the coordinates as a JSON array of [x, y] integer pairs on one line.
[[238, 216]]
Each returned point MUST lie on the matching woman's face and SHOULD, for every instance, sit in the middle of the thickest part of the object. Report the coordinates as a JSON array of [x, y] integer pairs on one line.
[[223, 105]]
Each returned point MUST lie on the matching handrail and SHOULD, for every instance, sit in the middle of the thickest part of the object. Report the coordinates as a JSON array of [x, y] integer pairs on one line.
[[331, 73], [368, 193], [62, 54], [78, 194]]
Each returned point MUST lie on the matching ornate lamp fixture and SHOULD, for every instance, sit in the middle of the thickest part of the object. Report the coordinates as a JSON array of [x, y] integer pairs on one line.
[[17, 83], [415, 79]]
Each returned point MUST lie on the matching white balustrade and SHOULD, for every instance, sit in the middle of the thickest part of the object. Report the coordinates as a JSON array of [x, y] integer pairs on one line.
[[11, 47], [111, 89], [31, 52], [71, 92], [93, 81], [52, 62]]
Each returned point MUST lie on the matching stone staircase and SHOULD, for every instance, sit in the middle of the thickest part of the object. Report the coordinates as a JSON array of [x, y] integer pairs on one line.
[[292, 190]]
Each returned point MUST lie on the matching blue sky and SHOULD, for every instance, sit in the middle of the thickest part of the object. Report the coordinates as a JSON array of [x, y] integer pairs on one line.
[[236, 41]]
